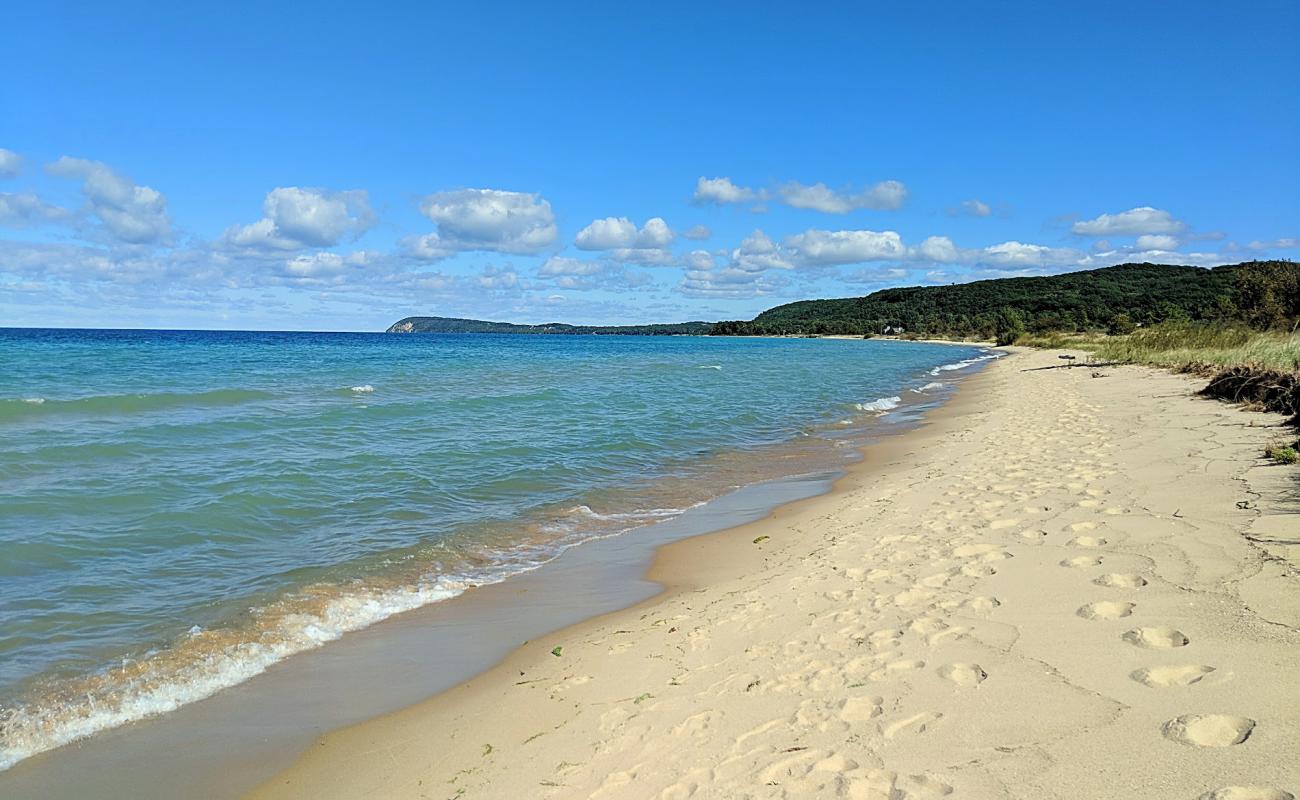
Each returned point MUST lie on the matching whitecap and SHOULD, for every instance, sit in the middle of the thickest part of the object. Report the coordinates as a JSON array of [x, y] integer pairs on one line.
[[881, 405], [363, 389], [928, 387]]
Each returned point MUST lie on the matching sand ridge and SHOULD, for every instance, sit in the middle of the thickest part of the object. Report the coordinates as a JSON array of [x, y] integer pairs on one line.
[[1045, 594]]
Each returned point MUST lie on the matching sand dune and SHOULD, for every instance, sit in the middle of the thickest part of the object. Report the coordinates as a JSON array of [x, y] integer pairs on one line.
[[1052, 591]]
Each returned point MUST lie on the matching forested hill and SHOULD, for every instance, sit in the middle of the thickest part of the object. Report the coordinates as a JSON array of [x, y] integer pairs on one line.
[[1094, 299], [453, 325], [1260, 293]]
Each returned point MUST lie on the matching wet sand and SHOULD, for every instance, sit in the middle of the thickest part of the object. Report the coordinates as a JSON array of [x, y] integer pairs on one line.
[[1062, 586]]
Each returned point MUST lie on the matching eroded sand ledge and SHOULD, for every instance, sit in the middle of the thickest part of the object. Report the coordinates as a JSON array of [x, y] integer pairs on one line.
[[1049, 592]]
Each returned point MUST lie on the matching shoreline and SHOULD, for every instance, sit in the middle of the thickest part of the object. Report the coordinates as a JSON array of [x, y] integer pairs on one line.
[[97, 761], [557, 710], [676, 568]]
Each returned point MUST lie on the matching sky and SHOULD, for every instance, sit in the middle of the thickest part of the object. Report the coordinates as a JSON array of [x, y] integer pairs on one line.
[[339, 166]]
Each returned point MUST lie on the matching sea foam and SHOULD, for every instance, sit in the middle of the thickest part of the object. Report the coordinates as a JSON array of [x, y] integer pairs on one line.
[[881, 405]]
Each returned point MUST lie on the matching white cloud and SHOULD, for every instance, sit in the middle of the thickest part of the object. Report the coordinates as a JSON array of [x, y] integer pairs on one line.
[[620, 232], [1156, 241], [700, 259], [818, 248], [485, 219], [603, 234], [295, 218], [561, 265], [327, 264], [727, 282], [697, 233], [976, 208], [498, 278], [26, 209], [1134, 222], [937, 248], [886, 195], [130, 213], [10, 163], [1019, 254], [757, 253], [721, 191], [623, 241]]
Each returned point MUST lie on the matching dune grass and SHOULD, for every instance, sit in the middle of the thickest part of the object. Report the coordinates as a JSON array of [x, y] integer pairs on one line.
[[1206, 347], [1188, 347]]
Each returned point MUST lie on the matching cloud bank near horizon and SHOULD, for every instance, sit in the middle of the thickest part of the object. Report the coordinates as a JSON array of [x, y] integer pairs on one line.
[[495, 248]]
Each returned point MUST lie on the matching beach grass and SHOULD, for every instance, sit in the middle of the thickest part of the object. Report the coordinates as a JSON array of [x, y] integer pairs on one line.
[[1187, 347]]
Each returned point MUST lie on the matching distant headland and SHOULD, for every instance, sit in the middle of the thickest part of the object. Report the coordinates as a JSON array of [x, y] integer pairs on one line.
[[1113, 299]]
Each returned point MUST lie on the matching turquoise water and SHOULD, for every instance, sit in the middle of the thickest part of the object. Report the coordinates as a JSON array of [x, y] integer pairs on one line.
[[182, 509]]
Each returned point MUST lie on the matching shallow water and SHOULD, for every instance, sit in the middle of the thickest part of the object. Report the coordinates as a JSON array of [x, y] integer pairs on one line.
[[184, 509]]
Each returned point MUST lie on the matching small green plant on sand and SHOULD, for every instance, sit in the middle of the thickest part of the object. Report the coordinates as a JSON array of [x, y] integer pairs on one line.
[[1283, 453], [557, 651]]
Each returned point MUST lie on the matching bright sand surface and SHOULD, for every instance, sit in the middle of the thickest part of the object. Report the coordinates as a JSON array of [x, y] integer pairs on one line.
[[1061, 587]]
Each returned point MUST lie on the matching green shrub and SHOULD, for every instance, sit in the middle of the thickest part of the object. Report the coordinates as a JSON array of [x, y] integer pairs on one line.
[[1283, 454], [1121, 325]]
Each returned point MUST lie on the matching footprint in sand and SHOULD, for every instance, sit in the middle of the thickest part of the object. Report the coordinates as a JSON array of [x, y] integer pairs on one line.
[[1121, 580], [1078, 562], [1106, 609], [859, 709], [917, 723], [982, 604], [1000, 524], [1087, 541], [896, 668], [963, 674], [1164, 677], [887, 783], [1159, 638], [1082, 526], [1247, 793], [1208, 730]]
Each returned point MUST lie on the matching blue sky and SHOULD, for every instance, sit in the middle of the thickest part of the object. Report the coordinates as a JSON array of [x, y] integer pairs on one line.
[[269, 166]]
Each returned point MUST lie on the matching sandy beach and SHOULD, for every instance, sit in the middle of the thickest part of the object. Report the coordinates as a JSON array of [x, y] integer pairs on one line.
[[1062, 586]]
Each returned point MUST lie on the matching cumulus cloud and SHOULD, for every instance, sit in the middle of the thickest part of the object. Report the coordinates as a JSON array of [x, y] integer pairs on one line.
[[295, 218], [757, 253], [884, 196], [1020, 254], [484, 219], [1156, 241], [327, 264], [498, 278], [10, 163], [822, 248], [1134, 222], [130, 213], [27, 210], [621, 232], [697, 233], [937, 248], [721, 191], [621, 240]]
